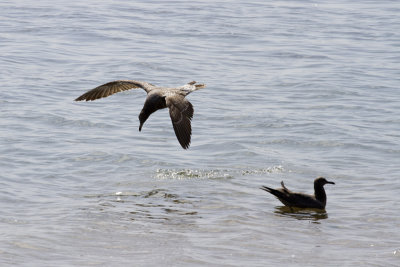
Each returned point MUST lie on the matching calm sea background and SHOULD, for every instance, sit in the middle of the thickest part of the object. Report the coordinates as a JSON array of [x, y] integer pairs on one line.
[[295, 90]]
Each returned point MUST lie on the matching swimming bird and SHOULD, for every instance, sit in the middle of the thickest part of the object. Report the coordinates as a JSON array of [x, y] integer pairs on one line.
[[180, 109], [300, 200]]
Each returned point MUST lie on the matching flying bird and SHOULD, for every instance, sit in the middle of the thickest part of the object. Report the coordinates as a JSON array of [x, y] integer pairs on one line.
[[300, 200], [180, 109]]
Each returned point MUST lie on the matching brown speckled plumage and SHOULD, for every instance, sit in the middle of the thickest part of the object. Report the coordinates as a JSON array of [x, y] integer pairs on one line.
[[180, 109]]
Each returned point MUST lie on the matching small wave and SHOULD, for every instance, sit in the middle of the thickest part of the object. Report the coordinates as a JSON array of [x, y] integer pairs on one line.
[[212, 174], [192, 174], [273, 169]]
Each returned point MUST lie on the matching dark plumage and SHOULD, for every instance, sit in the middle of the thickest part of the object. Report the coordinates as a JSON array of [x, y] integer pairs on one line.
[[180, 109], [300, 200]]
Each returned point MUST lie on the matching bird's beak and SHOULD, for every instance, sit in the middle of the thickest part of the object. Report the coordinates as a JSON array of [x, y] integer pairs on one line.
[[329, 182], [140, 126]]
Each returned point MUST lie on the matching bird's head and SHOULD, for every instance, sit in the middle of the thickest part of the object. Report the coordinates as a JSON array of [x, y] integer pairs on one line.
[[322, 181], [143, 116]]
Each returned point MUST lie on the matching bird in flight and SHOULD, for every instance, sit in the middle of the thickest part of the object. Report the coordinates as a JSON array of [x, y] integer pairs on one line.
[[180, 109]]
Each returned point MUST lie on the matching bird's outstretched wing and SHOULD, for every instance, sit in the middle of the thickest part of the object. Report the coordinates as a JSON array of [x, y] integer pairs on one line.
[[114, 87], [181, 113]]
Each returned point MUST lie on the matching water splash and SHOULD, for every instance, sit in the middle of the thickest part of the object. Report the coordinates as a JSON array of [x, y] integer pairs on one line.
[[184, 174], [180, 174]]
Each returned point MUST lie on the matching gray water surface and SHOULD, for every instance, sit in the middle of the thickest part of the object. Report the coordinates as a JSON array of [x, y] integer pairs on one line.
[[295, 90]]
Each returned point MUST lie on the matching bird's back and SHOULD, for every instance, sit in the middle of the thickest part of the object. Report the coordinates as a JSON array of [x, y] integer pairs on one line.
[[301, 200]]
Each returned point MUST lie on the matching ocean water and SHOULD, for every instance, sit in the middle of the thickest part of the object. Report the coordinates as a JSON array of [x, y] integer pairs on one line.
[[295, 90]]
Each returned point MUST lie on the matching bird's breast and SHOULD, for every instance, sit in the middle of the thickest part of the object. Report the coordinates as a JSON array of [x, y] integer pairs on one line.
[[154, 102]]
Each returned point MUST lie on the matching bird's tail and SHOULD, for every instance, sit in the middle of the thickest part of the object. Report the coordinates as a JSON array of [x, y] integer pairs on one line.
[[190, 87], [268, 189], [274, 192], [199, 86]]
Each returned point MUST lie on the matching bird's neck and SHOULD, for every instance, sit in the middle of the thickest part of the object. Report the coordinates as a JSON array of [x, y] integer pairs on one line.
[[320, 194]]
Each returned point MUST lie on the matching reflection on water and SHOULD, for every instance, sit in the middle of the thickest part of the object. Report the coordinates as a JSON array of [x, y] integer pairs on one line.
[[185, 174], [313, 215], [154, 205]]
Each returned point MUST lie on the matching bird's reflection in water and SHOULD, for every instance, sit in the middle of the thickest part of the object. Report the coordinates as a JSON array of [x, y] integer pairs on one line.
[[313, 215]]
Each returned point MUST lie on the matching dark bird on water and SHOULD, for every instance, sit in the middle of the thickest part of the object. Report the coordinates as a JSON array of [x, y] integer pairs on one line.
[[300, 200], [180, 109]]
